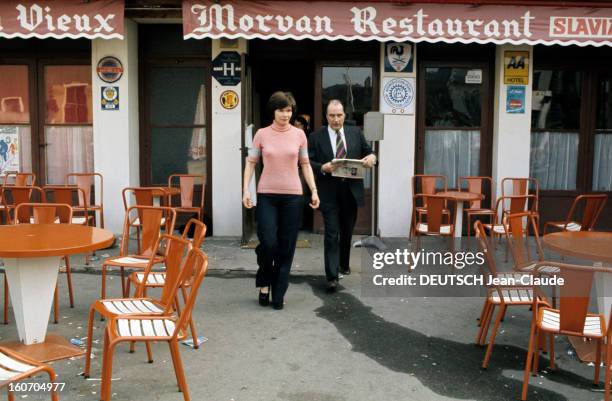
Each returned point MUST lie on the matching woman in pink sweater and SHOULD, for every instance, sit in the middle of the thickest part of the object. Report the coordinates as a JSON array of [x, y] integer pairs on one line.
[[279, 197]]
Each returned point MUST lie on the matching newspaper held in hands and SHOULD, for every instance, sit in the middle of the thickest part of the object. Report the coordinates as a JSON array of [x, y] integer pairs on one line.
[[348, 168]]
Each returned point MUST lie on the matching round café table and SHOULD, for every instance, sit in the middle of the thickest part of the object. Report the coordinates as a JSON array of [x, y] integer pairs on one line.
[[596, 247], [460, 197], [31, 254]]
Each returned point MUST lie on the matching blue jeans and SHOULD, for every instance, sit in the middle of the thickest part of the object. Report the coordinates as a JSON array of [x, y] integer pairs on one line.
[[278, 218]]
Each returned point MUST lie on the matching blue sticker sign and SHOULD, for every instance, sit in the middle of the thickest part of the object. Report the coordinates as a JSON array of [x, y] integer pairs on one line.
[[515, 99]]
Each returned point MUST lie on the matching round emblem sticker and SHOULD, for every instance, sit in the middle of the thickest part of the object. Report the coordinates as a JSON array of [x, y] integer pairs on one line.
[[229, 99], [398, 93], [109, 69]]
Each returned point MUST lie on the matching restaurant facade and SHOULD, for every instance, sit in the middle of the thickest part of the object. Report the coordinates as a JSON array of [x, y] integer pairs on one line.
[[138, 90]]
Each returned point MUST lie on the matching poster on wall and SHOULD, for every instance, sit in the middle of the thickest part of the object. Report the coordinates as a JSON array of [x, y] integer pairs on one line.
[[9, 150], [397, 96], [399, 57], [515, 99]]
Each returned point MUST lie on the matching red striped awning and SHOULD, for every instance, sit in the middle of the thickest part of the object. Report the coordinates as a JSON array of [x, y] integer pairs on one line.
[[415, 22]]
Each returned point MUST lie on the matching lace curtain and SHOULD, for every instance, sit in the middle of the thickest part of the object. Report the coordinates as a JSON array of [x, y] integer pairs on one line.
[[453, 153], [554, 159], [69, 150]]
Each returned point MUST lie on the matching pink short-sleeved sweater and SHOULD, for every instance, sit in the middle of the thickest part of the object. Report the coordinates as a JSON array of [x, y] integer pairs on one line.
[[282, 148]]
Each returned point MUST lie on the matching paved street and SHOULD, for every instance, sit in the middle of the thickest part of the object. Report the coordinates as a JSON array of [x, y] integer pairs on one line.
[[321, 347]]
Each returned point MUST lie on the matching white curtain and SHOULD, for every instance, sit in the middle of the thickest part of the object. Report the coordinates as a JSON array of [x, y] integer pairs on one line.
[[602, 162], [453, 153], [68, 150], [554, 159]]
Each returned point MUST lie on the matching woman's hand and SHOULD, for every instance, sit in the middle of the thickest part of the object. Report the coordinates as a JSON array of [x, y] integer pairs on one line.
[[246, 200], [314, 200]]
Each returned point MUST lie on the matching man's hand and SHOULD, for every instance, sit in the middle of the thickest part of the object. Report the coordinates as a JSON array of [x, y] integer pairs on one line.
[[369, 161], [329, 167]]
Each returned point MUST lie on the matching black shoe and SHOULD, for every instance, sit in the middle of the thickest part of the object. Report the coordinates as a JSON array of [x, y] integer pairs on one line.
[[278, 305], [264, 298], [332, 285], [345, 272]]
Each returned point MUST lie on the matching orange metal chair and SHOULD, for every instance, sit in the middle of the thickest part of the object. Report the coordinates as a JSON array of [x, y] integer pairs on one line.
[[423, 184], [504, 206], [435, 216], [85, 182], [480, 185], [15, 367], [70, 196], [187, 183], [143, 196], [158, 279], [570, 319], [13, 195], [168, 328], [150, 220], [48, 213], [177, 249], [19, 179], [503, 296], [520, 186], [590, 206]]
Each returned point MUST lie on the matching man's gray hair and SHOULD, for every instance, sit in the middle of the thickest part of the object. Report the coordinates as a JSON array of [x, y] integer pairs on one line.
[[334, 102]]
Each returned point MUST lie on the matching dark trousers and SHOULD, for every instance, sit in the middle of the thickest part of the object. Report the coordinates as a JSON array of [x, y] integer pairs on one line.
[[278, 218], [339, 219]]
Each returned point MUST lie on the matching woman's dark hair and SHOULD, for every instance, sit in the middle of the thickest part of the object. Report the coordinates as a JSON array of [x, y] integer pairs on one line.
[[279, 100]]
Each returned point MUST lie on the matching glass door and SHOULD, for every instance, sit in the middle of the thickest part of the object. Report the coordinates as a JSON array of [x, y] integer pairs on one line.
[[453, 128], [352, 84], [175, 128]]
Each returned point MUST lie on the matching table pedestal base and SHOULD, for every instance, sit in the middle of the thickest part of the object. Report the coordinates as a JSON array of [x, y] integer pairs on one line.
[[31, 285], [52, 349]]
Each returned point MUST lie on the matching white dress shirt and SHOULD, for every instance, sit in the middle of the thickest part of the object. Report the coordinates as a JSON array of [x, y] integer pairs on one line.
[[332, 139]]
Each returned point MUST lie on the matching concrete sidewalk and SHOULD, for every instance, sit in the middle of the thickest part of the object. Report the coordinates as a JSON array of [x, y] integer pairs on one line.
[[321, 347]]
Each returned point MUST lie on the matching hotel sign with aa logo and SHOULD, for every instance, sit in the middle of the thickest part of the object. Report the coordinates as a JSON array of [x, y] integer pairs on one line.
[[516, 68]]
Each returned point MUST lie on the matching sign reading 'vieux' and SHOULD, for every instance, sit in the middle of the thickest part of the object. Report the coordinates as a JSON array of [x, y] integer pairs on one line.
[[61, 19], [397, 22]]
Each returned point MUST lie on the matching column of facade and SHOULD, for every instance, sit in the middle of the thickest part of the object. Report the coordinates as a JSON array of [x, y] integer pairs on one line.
[[511, 131], [226, 152], [116, 132]]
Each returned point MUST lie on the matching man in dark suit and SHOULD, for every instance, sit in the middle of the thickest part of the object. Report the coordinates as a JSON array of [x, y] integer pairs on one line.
[[339, 197]]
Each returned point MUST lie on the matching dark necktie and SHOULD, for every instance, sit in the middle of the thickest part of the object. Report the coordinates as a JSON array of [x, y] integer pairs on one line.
[[340, 148]]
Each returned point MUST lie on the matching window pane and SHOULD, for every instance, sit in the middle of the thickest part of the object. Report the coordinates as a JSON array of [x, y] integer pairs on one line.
[[14, 94], [602, 154], [452, 153], [556, 99], [15, 148], [177, 150], [554, 159], [353, 87], [177, 96], [602, 162], [69, 150], [68, 94], [450, 100]]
